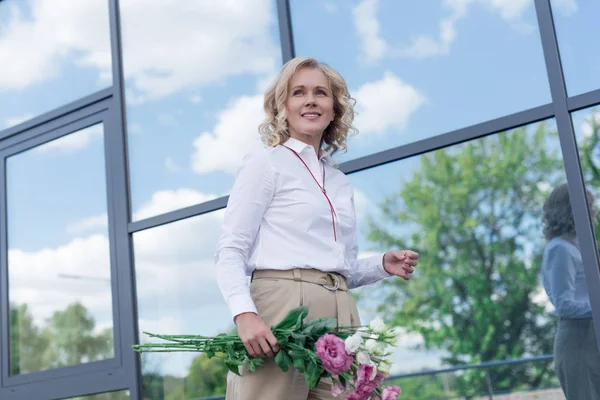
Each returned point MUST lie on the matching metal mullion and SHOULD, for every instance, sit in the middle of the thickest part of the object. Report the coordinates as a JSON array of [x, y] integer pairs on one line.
[[286, 33], [117, 153], [568, 144], [58, 113], [584, 100], [68, 386], [4, 303], [448, 139]]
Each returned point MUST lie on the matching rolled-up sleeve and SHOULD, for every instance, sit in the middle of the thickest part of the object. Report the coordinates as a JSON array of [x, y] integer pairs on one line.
[[250, 196], [367, 270]]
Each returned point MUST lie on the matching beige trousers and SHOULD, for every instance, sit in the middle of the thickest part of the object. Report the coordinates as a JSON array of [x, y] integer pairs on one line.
[[275, 293]]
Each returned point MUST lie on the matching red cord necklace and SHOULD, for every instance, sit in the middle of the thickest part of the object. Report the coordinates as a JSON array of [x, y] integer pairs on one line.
[[333, 214]]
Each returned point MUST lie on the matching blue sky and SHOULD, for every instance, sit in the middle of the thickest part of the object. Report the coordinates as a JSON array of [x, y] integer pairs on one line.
[[195, 73]]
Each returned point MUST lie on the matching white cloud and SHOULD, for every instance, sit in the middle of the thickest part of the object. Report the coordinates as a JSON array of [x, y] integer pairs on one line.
[[59, 32], [74, 141], [174, 266], [567, 7], [168, 46], [372, 45], [88, 224], [174, 47], [421, 46], [510, 10], [169, 200], [235, 134], [12, 121], [50, 279], [386, 103], [196, 99], [424, 46], [171, 165]]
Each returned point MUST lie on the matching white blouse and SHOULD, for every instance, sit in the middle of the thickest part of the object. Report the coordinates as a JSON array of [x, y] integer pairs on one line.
[[277, 217]]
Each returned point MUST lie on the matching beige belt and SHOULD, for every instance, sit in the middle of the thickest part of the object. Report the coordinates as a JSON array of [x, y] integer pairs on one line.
[[329, 280]]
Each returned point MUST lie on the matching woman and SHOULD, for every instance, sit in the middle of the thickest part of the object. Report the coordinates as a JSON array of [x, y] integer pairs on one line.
[[576, 355], [290, 224]]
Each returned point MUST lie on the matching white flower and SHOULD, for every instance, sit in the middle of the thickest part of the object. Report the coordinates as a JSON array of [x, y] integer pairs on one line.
[[363, 358], [371, 346], [378, 326], [380, 348], [363, 331], [353, 343], [384, 367], [374, 373]]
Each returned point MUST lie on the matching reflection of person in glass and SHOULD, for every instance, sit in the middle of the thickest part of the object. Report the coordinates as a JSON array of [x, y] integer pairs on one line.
[[576, 355], [290, 223]]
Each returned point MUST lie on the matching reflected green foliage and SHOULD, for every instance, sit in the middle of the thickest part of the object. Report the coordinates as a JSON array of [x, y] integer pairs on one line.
[[589, 153], [205, 377], [475, 215], [67, 338], [121, 395]]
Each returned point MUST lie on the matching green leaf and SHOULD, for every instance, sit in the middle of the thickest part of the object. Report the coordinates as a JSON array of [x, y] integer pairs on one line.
[[283, 361], [320, 326], [299, 338], [295, 315], [312, 375], [232, 366], [343, 380], [299, 364]]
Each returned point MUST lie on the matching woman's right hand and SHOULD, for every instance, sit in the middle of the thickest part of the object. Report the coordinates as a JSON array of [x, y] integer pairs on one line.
[[256, 335]]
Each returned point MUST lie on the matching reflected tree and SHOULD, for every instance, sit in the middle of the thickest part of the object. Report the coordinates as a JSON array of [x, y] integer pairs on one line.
[[72, 338], [589, 150], [207, 377], [27, 343], [68, 337], [473, 212]]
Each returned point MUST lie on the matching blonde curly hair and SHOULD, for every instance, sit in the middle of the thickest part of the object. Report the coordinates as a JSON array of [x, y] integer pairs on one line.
[[274, 129], [558, 215]]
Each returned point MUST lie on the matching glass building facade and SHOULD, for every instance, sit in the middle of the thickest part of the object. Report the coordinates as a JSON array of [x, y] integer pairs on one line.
[[471, 114]]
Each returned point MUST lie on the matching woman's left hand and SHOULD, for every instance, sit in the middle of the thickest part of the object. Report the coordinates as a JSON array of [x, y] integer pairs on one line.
[[400, 262]]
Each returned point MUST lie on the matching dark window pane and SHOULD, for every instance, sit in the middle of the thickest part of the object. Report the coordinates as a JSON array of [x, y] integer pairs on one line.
[[492, 222], [576, 28], [178, 293], [194, 78], [52, 53], [121, 395], [419, 69], [58, 258]]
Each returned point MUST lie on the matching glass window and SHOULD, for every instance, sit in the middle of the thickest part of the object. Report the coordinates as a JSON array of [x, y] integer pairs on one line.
[[576, 27], [178, 293], [52, 53], [499, 266], [58, 257], [195, 73], [121, 395], [419, 69]]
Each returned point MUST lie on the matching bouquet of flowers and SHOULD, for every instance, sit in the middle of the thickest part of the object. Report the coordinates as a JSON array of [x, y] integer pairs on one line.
[[354, 357]]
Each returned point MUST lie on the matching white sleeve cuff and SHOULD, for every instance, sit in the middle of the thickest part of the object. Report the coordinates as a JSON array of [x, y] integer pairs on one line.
[[241, 303]]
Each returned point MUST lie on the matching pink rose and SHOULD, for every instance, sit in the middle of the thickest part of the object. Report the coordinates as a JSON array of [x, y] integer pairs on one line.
[[364, 385], [332, 352], [391, 393]]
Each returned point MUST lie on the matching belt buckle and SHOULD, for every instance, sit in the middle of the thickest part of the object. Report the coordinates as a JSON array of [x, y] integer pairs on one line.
[[336, 281]]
